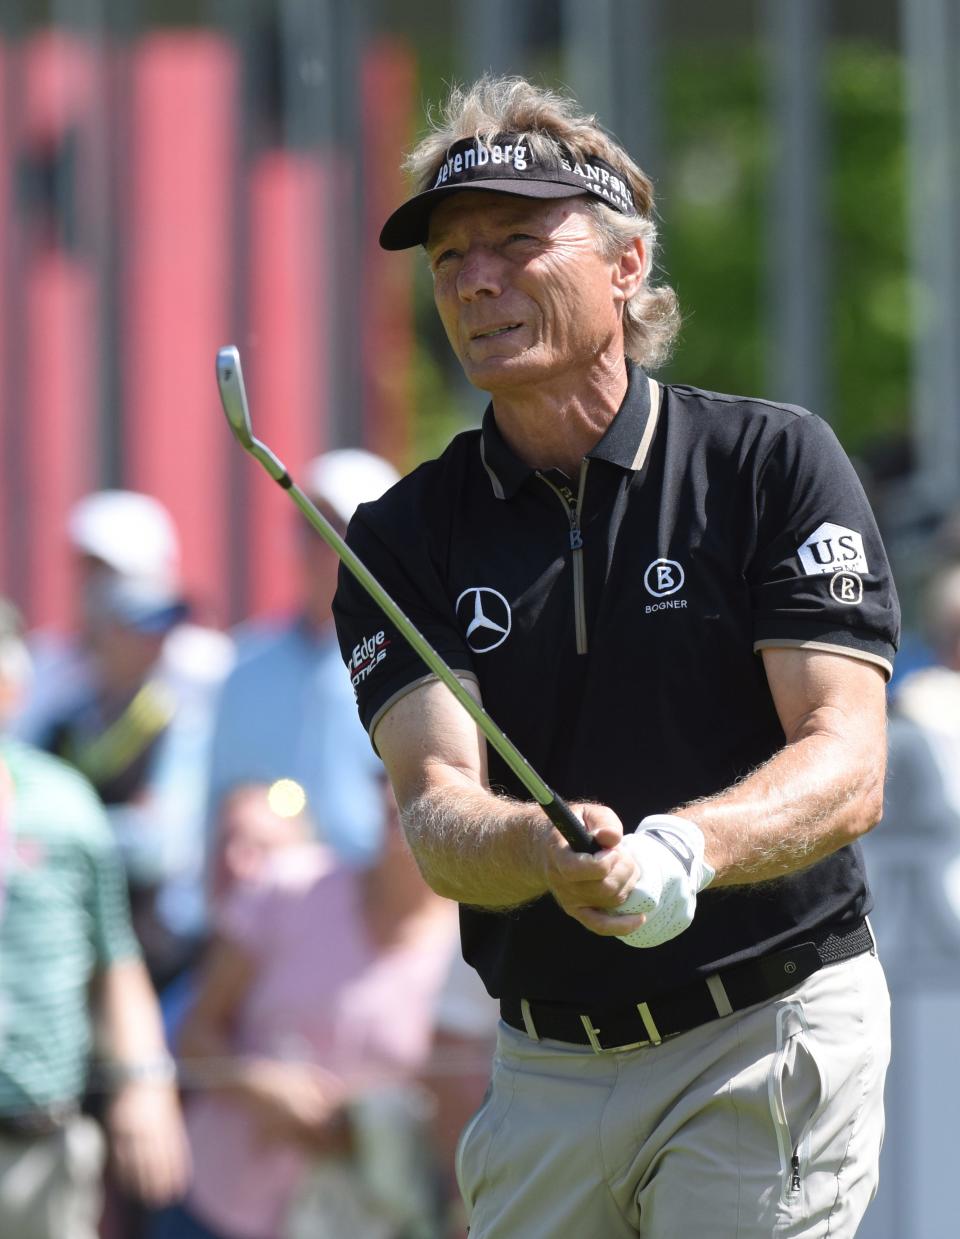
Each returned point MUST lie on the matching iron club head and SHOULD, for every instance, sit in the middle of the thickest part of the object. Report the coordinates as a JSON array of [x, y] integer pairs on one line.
[[233, 396]]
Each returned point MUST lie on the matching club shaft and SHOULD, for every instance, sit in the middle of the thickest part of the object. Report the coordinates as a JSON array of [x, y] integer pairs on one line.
[[556, 809]]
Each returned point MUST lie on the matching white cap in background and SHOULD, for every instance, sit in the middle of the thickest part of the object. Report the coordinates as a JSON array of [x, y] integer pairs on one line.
[[144, 604], [347, 477], [133, 534]]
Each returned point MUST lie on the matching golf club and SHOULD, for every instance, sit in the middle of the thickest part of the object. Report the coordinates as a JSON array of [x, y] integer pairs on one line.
[[234, 400]]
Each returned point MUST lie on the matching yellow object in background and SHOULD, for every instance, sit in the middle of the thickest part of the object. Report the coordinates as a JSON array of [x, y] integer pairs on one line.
[[286, 798]]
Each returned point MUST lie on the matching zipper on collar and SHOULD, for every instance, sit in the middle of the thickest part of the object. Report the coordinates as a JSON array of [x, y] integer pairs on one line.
[[573, 505]]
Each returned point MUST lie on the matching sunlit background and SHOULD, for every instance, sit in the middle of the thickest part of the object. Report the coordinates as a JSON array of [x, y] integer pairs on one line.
[[178, 175]]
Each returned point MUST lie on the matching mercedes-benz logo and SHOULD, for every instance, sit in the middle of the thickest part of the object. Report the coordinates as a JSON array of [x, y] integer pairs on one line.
[[486, 614]]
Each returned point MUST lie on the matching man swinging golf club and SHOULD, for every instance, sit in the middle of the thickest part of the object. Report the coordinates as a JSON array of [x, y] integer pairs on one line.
[[678, 606]]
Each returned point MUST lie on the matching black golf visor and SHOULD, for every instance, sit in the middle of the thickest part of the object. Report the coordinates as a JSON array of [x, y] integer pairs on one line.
[[507, 165]]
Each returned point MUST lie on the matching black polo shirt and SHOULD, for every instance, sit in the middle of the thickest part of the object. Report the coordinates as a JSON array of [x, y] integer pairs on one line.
[[612, 623]]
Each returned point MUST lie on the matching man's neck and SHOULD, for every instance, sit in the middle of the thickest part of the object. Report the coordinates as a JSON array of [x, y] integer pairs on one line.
[[554, 425]]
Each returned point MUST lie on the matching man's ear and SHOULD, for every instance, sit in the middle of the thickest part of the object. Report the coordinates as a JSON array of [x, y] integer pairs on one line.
[[628, 273]]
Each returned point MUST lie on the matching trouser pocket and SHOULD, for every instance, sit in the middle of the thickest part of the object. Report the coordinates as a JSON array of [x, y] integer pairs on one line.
[[463, 1145], [795, 1090], [477, 1138]]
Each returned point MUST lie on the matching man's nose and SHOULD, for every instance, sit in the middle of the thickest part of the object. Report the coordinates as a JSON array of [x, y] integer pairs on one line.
[[480, 274]]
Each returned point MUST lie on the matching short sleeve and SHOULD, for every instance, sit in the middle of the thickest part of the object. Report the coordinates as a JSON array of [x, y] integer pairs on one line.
[[382, 665], [819, 576]]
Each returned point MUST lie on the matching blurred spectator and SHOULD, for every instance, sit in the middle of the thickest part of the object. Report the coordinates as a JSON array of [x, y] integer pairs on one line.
[[927, 701], [465, 1034], [70, 961], [253, 824], [313, 1018], [287, 709], [922, 794], [913, 863], [130, 704]]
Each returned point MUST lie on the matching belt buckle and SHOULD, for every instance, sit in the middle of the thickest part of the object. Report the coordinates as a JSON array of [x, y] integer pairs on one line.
[[593, 1036]]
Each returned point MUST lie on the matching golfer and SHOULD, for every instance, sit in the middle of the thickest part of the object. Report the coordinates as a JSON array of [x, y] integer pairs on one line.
[[677, 605]]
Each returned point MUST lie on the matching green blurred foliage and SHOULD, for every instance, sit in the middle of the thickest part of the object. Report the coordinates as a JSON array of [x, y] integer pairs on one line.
[[444, 401], [872, 320], [714, 241], [711, 201]]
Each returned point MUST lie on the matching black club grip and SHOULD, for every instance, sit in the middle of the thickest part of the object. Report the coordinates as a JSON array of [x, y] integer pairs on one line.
[[570, 826]]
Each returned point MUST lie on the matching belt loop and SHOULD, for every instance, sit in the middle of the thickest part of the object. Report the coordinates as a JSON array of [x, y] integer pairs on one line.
[[718, 992], [649, 1023], [528, 1024], [873, 936], [593, 1034]]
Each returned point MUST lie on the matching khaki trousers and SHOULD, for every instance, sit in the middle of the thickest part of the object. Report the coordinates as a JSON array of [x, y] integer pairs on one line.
[[764, 1123], [51, 1186]]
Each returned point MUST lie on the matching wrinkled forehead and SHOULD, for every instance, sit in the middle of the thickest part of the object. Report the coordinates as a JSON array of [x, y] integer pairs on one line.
[[475, 208]]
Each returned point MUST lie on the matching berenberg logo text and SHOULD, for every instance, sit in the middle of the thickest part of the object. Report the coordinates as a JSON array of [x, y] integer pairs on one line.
[[478, 156]]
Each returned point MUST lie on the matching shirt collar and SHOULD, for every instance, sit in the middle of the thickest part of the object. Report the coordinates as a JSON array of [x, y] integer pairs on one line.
[[624, 442]]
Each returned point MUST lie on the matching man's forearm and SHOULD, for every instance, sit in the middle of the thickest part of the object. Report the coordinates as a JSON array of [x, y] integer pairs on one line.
[[477, 848], [813, 797], [131, 1018]]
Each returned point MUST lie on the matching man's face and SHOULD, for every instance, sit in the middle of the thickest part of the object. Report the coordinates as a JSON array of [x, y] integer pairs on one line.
[[249, 833], [522, 290], [123, 655]]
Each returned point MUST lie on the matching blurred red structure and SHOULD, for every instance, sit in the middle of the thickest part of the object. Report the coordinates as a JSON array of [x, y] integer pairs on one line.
[[387, 89], [289, 353], [59, 319], [141, 227], [177, 287]]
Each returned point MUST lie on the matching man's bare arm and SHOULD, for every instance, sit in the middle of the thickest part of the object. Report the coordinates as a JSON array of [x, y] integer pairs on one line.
[[469, 844], [822, 790], [144, 1120], [487, 850]]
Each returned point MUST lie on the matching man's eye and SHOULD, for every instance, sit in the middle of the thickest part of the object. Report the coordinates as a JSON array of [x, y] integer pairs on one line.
[[520, 236], [443, 257]]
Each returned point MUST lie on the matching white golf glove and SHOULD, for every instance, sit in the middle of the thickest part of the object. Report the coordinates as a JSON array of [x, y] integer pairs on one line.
[[669, 851]]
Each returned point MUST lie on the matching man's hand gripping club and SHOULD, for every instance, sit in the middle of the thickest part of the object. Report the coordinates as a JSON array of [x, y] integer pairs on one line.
[[641, 888]]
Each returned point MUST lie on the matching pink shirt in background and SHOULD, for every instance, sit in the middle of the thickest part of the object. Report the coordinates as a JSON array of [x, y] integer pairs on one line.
[[323, 993]]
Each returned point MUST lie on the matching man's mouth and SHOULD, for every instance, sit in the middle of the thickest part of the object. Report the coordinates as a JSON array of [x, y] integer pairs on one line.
[[490, 332]]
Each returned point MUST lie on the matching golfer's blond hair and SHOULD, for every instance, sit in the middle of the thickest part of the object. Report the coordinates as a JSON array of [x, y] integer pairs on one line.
[[549, 121]]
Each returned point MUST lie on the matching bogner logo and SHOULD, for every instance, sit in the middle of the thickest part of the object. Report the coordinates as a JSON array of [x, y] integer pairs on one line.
[[846, 587], [485, 614], [833, 548], [368, 654], [664, 577]]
